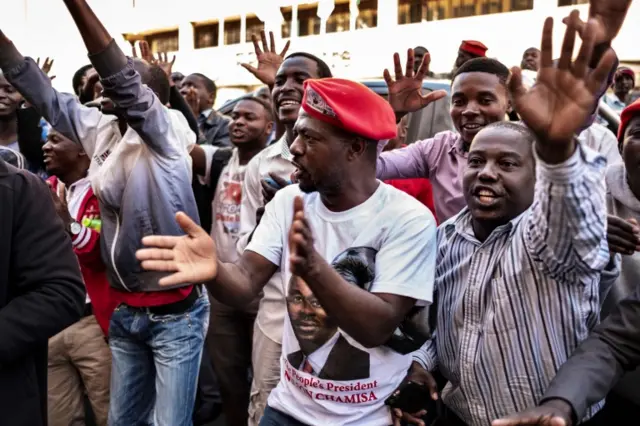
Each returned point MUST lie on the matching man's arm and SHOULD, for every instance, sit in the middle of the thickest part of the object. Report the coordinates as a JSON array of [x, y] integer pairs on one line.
[[251, 197], [45, 279], [123, 85], [404, 273], [427, 355], [600, 361], [177, 102], [569, 196], [406, 163], [61, 110]]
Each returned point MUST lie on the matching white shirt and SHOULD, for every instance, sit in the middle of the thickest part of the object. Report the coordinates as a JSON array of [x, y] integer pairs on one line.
[[276, 159], [226, 209], [601, 139], [391, 236]]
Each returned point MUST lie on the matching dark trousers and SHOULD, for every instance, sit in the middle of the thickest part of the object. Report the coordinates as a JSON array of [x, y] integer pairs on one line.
[[273, 417]]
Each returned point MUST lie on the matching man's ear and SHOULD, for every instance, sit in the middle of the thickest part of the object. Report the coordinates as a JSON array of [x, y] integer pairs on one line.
[[357, 148], [269, 128]]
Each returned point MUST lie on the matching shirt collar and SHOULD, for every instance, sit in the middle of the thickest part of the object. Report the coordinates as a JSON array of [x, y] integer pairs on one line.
[[461, 224], [456, 146], [206, 112]]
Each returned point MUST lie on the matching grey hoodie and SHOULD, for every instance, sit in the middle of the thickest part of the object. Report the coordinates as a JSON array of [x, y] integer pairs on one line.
[[623, 203]]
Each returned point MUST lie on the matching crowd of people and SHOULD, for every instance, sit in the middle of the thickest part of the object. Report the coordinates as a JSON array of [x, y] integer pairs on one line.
[[321, 256]]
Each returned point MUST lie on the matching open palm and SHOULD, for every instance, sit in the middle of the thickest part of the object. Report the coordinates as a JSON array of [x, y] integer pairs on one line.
[[405, 92], [192, 258], [268, 59], [565, 94]]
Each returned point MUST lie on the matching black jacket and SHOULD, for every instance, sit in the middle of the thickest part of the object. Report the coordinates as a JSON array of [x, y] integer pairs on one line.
[[41, 293]]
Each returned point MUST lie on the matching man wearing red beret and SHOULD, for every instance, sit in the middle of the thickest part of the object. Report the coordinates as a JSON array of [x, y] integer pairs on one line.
[[342, 318], [469, 49], [623, 83]]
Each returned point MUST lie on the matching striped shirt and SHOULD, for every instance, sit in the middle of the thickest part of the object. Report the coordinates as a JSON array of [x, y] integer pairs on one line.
[[513, 308]]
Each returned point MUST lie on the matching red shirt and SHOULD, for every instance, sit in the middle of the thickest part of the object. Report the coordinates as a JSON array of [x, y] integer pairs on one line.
[[418, 188]]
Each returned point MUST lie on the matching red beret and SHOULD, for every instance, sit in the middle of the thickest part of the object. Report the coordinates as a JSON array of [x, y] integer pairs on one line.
[[625, 71], [350, 106], [627, 114], [474, 47]]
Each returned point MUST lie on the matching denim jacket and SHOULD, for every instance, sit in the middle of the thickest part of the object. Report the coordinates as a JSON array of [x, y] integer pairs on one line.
[[141, 178]]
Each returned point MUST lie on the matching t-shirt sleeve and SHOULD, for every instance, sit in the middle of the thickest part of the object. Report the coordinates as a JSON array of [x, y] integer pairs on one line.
[[405, 263], [268, 237]]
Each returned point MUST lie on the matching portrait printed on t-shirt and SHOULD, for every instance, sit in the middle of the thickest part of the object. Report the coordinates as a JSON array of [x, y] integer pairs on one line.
[[324, 352]]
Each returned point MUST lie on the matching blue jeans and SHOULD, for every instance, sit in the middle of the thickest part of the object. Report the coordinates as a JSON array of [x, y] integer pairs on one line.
[[273, 417], [155, 365]]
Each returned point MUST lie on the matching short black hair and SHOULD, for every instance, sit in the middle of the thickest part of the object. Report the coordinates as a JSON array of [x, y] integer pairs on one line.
[[208, 83], [266, 105], [323, 69], [421, 48], [486, 65], [159, 83], [516, 126], [77, 77]]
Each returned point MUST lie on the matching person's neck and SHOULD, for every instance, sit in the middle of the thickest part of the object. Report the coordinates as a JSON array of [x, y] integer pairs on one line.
[[622, 96], [352, 192], [8, 129], [247, 151], [289, 136], [72, 176], [483, 229]]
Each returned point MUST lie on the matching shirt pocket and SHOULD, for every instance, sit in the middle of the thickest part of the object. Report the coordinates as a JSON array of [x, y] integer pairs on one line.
[[506, 303]]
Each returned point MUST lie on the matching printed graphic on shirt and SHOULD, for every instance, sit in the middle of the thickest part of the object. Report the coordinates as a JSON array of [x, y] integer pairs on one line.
[[228, 209], [324, 351]]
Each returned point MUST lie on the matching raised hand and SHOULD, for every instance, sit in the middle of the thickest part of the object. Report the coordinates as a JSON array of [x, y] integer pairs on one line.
[[623, 236], [166, 65], [60, 203], [191, 96], [46, 67], [608, 16], [564, 95], [269, 60], [301, 252], [552, 413], [192, 258], [405, 92], [417, 374]]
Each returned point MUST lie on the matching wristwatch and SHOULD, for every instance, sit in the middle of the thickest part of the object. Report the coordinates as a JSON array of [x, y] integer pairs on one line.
[[74, 229]]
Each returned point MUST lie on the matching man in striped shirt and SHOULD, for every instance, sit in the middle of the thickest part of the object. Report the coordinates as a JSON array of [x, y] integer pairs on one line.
[[518, 270]]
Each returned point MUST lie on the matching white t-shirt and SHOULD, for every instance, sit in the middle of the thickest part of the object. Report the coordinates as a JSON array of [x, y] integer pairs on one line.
[[226, 209], [388, 244]]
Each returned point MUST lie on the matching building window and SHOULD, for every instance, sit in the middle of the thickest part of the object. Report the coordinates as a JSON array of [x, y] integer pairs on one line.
[[412, 11], [339, 20], [521, 5], [367, 14], [254, 26], [232, 31], [166, 41], [287, 16], [205, 35], [571, 2], [308, 21]]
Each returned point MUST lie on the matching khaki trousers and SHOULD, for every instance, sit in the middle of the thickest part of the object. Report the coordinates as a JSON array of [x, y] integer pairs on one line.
[[266, 373], [79, 363]]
